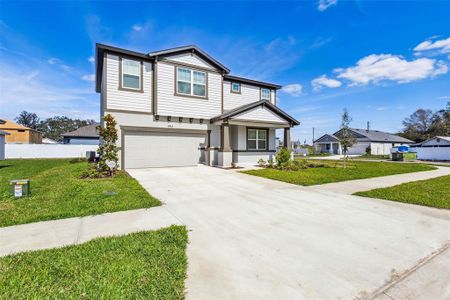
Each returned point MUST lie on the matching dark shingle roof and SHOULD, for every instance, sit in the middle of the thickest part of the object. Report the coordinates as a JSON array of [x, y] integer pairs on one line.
[[85, 131], [378, 136]]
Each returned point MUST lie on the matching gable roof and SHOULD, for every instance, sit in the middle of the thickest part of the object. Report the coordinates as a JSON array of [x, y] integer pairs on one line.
[[189, 49], [100, 50], [85, 131], [247, 107], [7, 124], [326, 138], [377, 136]]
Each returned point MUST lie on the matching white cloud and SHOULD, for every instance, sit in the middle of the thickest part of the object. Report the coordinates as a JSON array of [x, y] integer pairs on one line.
[[324, 81], [325, 4], [294, 89], [137, 27], [375, 68], [381, 108], [91, 59], [88, 77], [54, 61], [439, 46]]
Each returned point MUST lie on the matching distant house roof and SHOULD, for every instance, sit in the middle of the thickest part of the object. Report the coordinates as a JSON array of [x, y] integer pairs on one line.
[[247, 107], [10, 125], [85, 131], [327, 138], [380, 136]]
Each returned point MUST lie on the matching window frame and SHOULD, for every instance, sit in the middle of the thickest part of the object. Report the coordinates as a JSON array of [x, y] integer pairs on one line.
[[121, 73], [192, 70], [266, 148], [261, 94], [233, 91]]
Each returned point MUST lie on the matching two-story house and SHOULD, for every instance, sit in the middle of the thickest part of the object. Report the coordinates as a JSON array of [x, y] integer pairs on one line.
[[181, 107]]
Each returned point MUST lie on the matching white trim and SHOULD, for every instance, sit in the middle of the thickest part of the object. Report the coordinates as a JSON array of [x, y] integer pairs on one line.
[[192, 81]]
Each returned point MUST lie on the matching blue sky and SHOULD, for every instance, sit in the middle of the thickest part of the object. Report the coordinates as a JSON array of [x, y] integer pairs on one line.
[[382, 60]]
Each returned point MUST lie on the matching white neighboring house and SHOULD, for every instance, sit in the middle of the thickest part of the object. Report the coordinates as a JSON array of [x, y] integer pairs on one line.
[[2, 144], [86, 135], [380, 142], [437, 148], [181, 107]]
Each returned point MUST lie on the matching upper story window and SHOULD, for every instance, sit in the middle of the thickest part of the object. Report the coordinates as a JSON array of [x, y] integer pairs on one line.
[[131, 74], [265, 94], [191, 82], [236, 87]]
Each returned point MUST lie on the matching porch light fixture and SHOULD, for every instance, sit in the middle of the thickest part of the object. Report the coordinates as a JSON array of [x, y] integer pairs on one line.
[[169, 118], [191, 120], [201, 121]]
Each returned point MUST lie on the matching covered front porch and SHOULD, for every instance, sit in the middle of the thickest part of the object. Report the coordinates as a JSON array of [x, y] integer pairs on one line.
[[246, 135], [328, 144]]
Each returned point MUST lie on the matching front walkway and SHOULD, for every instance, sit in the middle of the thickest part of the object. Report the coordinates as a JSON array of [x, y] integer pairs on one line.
[[57, 233], [359, 185]]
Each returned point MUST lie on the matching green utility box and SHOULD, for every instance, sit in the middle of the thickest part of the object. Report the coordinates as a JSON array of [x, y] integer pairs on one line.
[[404, 156], [20, 187]]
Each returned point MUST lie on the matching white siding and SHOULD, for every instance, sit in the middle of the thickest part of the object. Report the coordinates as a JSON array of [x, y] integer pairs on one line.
[[381, 148], [260, 114], [2, 147], [126, 100], [170, 104], [47, 150], [215, 136], [432, 153], [434, 142], [191, 59], [248, 94]]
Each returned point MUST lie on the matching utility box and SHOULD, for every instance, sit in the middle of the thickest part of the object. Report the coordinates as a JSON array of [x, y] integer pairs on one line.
[[20, 187]]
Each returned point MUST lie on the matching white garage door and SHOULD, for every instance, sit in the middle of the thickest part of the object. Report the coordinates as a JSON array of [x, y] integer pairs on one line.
[[161, 149]]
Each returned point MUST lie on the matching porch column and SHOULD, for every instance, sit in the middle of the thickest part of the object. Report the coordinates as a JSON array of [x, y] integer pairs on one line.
[[225, 138], [287, 138], [225, 155]]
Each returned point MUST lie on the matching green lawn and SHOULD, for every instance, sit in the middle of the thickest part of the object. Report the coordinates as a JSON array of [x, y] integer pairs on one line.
[[58, 192], [330, 173], [432, 192], [371, 156], [145, 265]]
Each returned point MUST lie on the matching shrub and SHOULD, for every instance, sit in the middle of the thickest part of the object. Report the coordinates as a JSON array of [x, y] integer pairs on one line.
[[283, 156], [261, 162], [108, 149], [368, 150], [270, 162]]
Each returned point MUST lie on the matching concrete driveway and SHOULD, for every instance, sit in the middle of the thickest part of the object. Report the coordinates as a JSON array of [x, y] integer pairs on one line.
[[254, 238]]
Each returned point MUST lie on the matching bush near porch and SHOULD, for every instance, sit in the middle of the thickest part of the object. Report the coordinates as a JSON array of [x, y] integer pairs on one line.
[[57, 191], [327, 171]]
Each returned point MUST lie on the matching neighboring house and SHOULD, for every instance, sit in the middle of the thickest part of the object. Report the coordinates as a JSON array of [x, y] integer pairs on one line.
[[19, 134], [181, 107], [2, 144], [437, 148], [86, 135], [379, 142]]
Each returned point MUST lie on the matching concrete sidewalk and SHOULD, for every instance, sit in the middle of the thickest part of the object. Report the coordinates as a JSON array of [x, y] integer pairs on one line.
[[359, 185], [58, 233]]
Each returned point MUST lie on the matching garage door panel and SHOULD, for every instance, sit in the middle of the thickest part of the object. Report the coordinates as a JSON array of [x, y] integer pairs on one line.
[[162, 149]]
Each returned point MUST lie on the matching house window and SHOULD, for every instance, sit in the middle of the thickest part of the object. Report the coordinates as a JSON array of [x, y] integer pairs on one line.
[[191, 82], [131, 74], [236, 87], [21, 130], [256, 139], [265, 94]]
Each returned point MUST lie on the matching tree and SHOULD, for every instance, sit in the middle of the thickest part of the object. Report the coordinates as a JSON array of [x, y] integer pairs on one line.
[[441, 122], [54, 127], [28, 119], [108, 148], [417, 126], [345, 135]]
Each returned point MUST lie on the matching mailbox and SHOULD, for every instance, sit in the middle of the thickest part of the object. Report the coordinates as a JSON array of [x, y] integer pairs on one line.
[[20, 187]]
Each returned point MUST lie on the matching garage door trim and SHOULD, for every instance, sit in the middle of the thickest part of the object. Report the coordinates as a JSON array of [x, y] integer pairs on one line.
[[129, 129]]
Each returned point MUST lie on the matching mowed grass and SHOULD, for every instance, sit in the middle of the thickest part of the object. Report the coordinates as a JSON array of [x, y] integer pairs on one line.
[[431, 192], [58, 192], [145, 265], [333, 171]]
